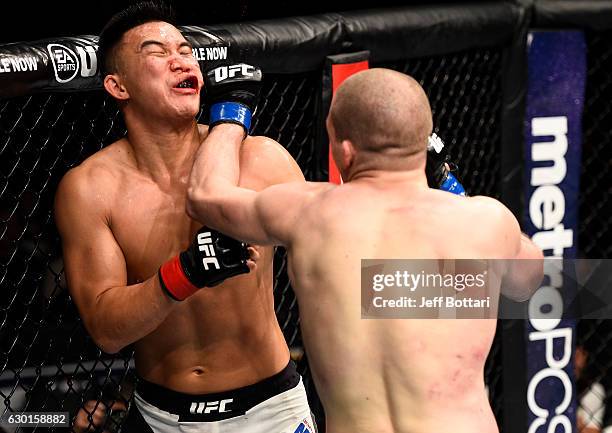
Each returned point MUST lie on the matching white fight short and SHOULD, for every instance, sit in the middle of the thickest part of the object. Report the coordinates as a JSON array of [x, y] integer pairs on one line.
[[277, 404]]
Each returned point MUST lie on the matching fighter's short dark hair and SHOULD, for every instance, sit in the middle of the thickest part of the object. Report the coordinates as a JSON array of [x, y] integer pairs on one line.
[[134, 15]]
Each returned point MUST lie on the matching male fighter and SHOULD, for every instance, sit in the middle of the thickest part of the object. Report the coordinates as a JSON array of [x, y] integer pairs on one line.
[[211, 355], [378, 376]]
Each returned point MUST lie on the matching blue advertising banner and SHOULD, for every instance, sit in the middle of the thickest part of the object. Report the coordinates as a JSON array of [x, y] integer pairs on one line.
[[553, 135]]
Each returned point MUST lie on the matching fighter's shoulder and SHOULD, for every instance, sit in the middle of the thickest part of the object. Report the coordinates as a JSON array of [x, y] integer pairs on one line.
[[87, 185], [260, 146], [492, 216], [269, 161], [322, 199], [490, 207]]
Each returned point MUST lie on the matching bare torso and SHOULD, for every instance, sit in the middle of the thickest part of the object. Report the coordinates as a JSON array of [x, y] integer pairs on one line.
[[218, 339], [388, 375]]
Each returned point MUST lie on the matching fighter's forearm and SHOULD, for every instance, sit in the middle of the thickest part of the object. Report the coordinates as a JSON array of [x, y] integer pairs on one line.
[[123, 315], [215, 172]]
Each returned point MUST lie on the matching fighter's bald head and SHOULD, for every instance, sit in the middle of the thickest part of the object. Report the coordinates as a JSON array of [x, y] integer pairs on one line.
[[382, 111]]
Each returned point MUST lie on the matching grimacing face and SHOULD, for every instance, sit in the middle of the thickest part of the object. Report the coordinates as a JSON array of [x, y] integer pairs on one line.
[[157, 67]]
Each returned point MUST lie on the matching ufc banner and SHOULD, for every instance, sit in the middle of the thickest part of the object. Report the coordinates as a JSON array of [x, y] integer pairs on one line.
[[71, 63]]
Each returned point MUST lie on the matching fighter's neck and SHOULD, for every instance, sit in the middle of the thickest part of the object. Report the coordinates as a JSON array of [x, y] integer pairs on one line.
[[390, 178], [164, 152]]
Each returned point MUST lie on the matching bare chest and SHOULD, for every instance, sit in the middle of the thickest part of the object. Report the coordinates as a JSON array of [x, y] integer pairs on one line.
[[150, 225]]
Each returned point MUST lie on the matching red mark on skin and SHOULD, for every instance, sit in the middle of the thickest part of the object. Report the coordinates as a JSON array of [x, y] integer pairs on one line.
[[479, 355], [434, 392], [456, 375]]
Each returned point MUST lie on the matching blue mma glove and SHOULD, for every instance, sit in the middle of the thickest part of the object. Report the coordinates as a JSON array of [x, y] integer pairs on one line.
[[232, 92], [438, 168]]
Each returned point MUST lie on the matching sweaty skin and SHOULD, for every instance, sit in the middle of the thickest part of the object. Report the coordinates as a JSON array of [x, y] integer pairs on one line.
[[121, 214], [377, 376]]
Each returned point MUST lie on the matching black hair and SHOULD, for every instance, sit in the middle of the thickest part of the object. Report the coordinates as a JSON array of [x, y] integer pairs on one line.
[[134, 15]]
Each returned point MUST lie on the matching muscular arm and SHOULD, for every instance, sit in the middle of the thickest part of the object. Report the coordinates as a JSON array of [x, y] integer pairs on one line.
[[114, 313], [518, 261], [525, 266], [264, 217]]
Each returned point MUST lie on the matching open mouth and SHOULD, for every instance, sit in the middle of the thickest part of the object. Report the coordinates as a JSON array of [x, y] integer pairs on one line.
[[188, 83]]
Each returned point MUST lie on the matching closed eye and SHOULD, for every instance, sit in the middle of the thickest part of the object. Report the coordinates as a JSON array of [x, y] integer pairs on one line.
[[153, 47]]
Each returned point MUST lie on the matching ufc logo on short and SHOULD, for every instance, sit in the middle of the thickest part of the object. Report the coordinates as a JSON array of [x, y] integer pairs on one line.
[[210, 406], [205, 245], [225, 72]]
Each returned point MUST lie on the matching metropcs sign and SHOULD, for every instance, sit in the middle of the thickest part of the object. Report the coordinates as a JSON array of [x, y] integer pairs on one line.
[[546, 211], [553, 134]]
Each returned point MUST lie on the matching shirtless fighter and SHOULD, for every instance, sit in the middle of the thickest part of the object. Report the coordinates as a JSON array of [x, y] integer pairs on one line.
[[377, 376], [211, 356]]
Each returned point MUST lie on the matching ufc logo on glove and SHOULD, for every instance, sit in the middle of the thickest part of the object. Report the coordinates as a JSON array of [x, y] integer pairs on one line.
[[205, 245], [224, 72]]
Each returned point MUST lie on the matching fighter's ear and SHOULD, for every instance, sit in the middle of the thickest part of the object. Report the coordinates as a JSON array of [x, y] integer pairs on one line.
[[348, 153], [115, 87]]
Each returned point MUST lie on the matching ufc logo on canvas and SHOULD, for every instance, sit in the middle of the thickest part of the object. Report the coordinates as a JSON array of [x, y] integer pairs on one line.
[[210, 406], [225, 72], [205, 245]]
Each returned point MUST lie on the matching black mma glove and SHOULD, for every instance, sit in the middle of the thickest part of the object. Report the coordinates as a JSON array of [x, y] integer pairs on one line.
[[232, 92], [438, 168], [211, 258]]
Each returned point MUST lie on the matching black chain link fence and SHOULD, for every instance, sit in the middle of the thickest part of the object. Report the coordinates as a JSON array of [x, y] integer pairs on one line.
[[48, 361], [595, 229]]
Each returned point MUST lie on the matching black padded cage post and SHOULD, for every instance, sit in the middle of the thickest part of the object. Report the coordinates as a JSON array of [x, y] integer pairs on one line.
[[53, 114]]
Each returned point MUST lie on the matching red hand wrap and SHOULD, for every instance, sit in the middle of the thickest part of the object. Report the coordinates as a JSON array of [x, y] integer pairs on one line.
[[174, 281]]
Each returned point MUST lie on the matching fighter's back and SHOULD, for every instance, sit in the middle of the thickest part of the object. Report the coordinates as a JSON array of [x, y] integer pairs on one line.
[[392, 375]]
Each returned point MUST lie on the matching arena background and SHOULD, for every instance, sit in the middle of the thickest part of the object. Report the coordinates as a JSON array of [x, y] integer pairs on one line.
[[471, 59]]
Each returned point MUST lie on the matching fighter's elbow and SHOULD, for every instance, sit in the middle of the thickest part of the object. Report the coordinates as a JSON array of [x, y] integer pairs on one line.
[[537, 273], [535, 268], [97, 326], [196, 204], [538, 255], [108, 346], [525, 271], [518, 292], [105, 342], [524, 277]]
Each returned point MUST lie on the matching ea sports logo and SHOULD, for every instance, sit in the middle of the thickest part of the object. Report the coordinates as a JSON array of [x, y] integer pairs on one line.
[[65, 62]]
